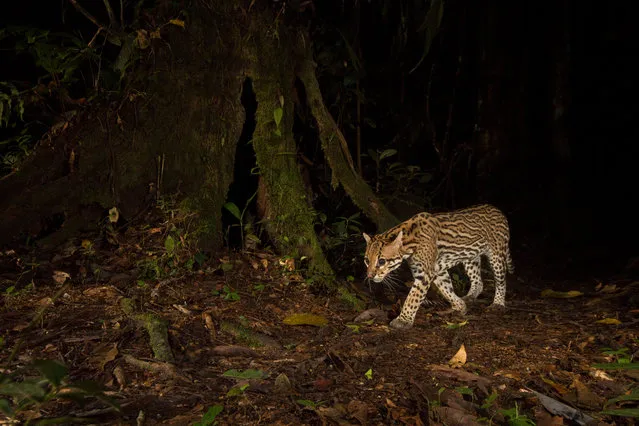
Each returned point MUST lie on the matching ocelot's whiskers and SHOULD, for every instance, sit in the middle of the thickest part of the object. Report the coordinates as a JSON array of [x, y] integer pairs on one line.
[[434, 243]]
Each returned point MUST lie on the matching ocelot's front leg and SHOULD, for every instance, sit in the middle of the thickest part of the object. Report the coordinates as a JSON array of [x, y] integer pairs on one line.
[[415, 297]]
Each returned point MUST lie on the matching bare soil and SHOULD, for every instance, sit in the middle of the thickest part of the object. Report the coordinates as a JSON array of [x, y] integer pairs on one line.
[[229, 315]]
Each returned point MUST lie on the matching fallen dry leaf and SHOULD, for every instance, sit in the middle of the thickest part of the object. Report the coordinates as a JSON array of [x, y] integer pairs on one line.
[[371, 314], [103, 292], [20, 327], [453, 416], [232, 350], [561, 389], [584, 397], [288, 263], [561, 294], [119, 376], [305, 319], [358, 410], [609, 321], [322, 384], [103, 355], [459, 358], [544, 418], [60, 277], [608, 288]]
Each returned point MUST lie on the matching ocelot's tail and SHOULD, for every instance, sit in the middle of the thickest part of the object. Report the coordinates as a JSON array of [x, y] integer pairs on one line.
[[509, 262]]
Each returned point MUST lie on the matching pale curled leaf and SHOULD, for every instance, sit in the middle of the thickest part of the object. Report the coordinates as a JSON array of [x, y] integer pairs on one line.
[[459, 358], [114, 214], [60, 277]]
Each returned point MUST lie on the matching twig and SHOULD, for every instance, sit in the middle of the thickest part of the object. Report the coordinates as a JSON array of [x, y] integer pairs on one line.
[[109, 10], [91, 18], [85, 13], [160, 367], [37, 317]]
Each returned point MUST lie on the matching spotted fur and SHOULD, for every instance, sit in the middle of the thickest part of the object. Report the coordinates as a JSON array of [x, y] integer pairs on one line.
[[432, 244]]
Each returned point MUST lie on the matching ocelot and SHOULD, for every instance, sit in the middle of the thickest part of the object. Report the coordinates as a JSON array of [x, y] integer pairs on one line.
[[432, 244]]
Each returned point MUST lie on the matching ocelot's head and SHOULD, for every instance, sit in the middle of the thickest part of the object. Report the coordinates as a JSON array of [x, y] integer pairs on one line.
[[382, 255]]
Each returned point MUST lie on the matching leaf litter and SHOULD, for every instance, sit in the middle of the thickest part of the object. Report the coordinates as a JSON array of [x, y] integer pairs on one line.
[[255, 344]]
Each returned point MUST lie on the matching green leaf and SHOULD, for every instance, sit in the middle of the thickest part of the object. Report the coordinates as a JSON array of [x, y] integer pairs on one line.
[[26, 389], [623, 412], [618, 366], [226, 267], [369, 374], [199, 258], [490, 399], [52, 370], [169, 244], [209, 418], [233, 209], [305, 319], [246, 374], [632, 396], [354, 327], [277, 115], [464, 390], [5, 407], [306, 403], [387, 153], [237, 390]]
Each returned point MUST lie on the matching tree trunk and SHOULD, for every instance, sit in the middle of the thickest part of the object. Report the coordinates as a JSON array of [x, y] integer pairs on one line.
[[174, 130], [288, 215]]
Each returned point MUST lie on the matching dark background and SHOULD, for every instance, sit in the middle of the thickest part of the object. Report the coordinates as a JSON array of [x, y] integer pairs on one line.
[[574, 213]]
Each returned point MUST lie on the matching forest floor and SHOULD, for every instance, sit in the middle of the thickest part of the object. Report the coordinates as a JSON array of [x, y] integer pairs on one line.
[[240, 351]]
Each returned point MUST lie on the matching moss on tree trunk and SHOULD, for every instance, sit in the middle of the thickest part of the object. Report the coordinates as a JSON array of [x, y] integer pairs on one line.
[[290, 216]]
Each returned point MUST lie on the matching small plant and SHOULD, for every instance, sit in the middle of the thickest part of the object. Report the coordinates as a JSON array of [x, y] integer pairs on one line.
[[309, 404], [514, 418], [621, 356], [209, 418], [621, 402], [246, 228], [227, 293], [489, 401], [20, 393]]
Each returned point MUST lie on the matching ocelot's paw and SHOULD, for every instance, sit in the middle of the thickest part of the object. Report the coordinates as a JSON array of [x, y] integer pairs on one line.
[[400, 324]]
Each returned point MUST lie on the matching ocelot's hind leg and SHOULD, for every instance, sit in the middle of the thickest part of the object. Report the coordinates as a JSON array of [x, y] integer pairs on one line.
[[473, 270], [445, 286], [498, 265]]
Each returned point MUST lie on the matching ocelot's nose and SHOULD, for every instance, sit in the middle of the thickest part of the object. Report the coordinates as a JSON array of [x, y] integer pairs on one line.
[[369, 275]]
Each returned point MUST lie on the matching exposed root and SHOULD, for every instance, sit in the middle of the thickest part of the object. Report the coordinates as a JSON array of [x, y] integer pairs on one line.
[[159, 368], [157, 329]]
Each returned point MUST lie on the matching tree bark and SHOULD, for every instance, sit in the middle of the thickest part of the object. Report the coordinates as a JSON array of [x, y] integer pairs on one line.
[[288, 215]]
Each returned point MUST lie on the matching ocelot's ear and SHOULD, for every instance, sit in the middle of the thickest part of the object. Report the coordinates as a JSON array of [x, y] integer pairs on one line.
[[367, 238], [398, 240]]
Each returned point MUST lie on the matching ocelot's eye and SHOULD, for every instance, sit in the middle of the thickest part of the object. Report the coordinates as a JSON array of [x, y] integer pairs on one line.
[[366, 262], [381, 262]]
